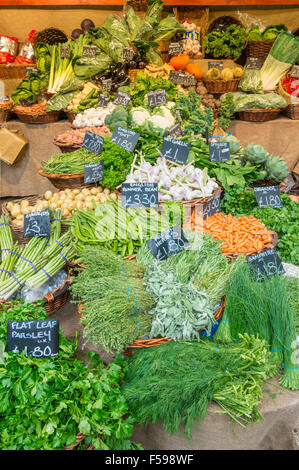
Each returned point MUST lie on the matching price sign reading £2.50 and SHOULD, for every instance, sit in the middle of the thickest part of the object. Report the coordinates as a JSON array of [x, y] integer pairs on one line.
[[36, 338], [37, 224], [168, 242], [265, 264]]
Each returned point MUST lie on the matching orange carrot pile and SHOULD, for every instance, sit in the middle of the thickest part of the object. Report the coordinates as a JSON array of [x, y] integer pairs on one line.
[[240, 235]]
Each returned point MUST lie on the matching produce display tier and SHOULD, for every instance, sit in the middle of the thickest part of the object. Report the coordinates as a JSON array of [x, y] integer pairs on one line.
[[22, 179]]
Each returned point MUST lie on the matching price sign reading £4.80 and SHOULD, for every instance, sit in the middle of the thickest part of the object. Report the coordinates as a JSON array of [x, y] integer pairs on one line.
[[37, 224], [36, 338], [168, 242], [139, 194], [265, 264], [268, 196]]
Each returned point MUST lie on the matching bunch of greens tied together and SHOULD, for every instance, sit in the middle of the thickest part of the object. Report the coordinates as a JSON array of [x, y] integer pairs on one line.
[[45, 403]]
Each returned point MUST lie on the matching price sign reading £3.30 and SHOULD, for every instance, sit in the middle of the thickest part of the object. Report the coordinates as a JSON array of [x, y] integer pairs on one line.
[[36, 338], [139, 194], [37, 224]]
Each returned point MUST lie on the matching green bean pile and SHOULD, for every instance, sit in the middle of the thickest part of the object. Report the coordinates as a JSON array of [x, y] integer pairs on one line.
[[70, 163]]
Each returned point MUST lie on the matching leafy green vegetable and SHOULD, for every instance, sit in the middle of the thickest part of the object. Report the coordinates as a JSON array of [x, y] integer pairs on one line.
[[30, 87], [176, 382], [254, 34], [226, 111], [271, 32], [194, 116], [118, 117], [145, 84], [87, 67], [60, 101], [284, 221], [251, 81], [243, 101], [227, 44], [45, 403]]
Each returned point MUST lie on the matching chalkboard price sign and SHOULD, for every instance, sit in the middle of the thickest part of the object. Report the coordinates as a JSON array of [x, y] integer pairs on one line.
[[215, 64], [35, 338], [175, 131], [139, 194], [106, 84], [175, 48], [219, 151], [93, 142], [37, 224], [172, 240], [295, 71], [254, 63], [122, 99], [103, 101], [89, 51], [212, 206], [175, 150], [128, 53], [268, 196], [65, 52], [29, 70], [265, 264], [93, 172], [156, 98], [125, 138]]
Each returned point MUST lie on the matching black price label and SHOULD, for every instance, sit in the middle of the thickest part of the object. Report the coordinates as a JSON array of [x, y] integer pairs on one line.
[[103, 101], [29, 70], [212, 206], [140, 194], [125, 138], [35, 338], [65, 52], [122, 99], [219, 151], [128, 53], [254, 63], [265, 264], [181, 78], [175, 131], [268, 196], [93, 172], [215, 64], [190, 79], [170, 241], [89, 51], [106, 84], [175, 48], [93, 142], [175, 150], [157, 98], [37, 224]]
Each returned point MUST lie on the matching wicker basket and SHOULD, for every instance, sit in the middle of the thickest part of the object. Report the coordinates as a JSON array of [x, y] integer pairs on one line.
[[53, 301], [74, 181], [198, 15], [273, 244], [292, 109], [70, 115], [12, 71], [258, 48], [17, 231], [221, 86], [258, 115], [66, 148], [41, 118]]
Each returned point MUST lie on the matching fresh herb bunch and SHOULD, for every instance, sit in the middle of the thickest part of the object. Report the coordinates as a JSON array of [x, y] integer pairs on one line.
[[196, 118], [284, 220], [176, 382], [45, 403], [226, 111], [227, 44], [117, 163], [71, 162], [292, 286], [262, 309]]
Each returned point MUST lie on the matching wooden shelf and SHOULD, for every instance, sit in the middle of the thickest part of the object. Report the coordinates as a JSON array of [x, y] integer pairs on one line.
[[62, 3]]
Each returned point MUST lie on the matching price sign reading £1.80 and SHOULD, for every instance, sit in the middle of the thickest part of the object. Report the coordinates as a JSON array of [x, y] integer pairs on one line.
[[125, 138], [37, 224], [265, 264], [168, 242], [268, 196], [36, 338]]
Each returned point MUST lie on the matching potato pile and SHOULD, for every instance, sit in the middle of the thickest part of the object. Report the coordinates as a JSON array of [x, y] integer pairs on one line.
[[66, 200], [208, 99]]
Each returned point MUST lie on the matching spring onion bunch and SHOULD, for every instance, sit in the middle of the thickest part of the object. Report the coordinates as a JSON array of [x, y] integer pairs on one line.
[[6, 242], [283, 54]]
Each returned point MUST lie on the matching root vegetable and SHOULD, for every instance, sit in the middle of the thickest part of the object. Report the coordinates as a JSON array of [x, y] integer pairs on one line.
[[48, 195]]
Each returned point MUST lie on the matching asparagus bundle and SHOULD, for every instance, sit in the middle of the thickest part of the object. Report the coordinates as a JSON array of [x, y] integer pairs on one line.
[[7, 265], [31, 253], [6, 242], [57, 245], [11, 285]]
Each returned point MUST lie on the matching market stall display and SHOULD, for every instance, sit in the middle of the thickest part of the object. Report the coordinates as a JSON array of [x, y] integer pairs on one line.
[[158, 228]]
